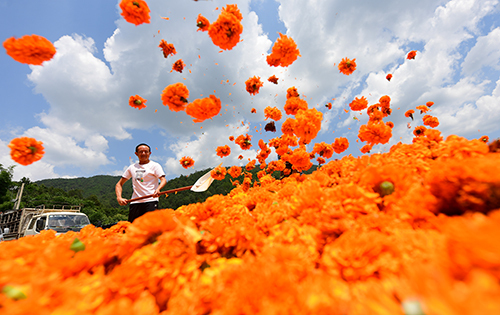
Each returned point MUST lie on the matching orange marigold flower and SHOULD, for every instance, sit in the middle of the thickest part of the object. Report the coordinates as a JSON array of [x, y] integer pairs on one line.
[[272, 112], [300, 159], [135, 11], [178, 66], [168, 49], [250, 165], [409, 113], [292, 92], [423, 109], [359, 103], [137, 102], [375, 133], [308, 124], [347, 66], [411, 54], [485, 139], [234, 171], [204, 108], [231, 138], [375, 115], [25, 150], [273, 79], [329, 105], [202, 23], [223, 151], [30, 49], [390, 124], [386, 111], [366, 148], [278, 165], [226, 30], [430, 121], [429, 104], [218, 173], [253, 110], [253, 85], [320, 160], [244, 141], [388, 77], [340, 145], [419, 131], [288, 127], [186, 161], [284, 52], [240, 157], [385, 101], [294, 104], [233, 9], [175, 96], [323, 149], [270, 126], [433, 135]]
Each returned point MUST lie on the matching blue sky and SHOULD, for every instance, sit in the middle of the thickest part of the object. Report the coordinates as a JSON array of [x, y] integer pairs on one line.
[[77, 103]]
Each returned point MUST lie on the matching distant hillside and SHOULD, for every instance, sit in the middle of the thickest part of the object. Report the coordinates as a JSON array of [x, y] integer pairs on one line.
[[101, 186]]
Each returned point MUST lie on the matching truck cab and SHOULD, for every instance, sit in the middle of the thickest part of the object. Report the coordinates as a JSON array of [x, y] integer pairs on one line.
[[61, 222]]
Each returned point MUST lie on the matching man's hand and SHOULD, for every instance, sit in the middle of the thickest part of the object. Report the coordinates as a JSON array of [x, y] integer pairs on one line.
[[121, 201], [156, 193]]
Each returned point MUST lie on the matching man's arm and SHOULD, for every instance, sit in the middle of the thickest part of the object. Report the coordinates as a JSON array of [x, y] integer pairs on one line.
[[162, 184], [118, 190]]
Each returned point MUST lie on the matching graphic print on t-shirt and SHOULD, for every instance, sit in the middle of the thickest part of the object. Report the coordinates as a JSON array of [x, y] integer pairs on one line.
[[139, 175]]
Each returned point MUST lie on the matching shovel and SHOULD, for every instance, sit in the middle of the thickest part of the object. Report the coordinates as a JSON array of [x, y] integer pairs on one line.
[[201, 185]]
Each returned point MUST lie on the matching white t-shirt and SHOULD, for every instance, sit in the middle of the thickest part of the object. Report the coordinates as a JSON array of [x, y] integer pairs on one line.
[[144, 179]]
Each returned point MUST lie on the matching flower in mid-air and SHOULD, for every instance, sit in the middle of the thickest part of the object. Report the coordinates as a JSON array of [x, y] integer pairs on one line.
[[202, 23], [178, 66], [388, 77], [244, 141], [411, 54], [186, 161], [284, 52], [137, 102], [409, 113], [218, 173], [223, 151], [253, 85], [272, 112], [25, 150], [204, 108], [135, 11], [347, 66], [168, 49], [30, 49], [226, 30], [175, 97], [273, 79], [359, 103]]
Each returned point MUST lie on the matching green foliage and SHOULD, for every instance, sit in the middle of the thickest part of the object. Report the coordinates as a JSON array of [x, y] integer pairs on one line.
[[5, 184]]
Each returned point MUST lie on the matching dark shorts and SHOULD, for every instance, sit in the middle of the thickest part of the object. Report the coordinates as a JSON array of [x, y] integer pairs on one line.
[[138, 209]]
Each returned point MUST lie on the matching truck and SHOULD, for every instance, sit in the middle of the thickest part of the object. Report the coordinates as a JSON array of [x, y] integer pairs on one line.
[[31, 221]]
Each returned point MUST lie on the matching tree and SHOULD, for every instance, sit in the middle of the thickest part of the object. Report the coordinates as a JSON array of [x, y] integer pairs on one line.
[[5, 185]]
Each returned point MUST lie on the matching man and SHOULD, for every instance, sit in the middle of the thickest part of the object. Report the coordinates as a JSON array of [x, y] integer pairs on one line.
[[145, 176]]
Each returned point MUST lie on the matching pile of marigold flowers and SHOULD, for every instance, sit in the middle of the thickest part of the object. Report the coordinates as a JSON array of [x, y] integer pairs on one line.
[[411, 231]]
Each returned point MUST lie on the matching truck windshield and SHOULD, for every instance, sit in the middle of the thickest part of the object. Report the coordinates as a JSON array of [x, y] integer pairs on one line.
[[67, 222]]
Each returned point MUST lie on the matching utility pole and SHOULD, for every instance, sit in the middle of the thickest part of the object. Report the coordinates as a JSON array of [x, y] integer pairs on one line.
[[18, 197]]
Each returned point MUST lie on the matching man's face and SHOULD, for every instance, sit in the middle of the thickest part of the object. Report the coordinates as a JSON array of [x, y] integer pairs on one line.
[[143, 154]]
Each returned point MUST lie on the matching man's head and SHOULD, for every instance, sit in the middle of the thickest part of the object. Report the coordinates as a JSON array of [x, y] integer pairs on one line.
[[143, 151]]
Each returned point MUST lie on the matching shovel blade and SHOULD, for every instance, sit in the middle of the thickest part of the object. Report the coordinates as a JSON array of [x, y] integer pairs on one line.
[[202, 183]]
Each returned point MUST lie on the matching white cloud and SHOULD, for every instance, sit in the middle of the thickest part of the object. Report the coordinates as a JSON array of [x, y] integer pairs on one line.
[[484, 54]]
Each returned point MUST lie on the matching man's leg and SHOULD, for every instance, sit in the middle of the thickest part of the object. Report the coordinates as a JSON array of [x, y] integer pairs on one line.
[[138, 209]]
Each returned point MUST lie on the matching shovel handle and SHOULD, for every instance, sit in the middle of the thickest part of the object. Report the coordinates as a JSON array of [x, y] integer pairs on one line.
[[161, 193]]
